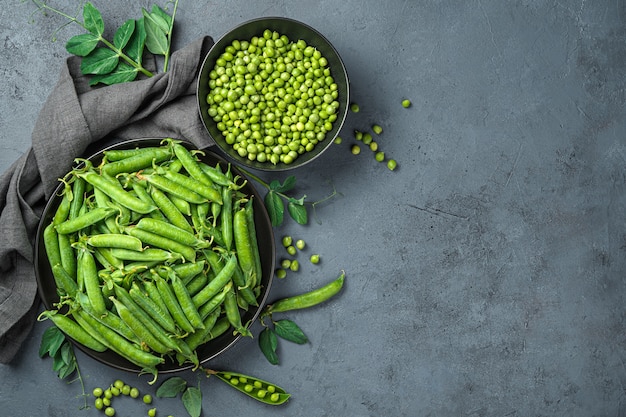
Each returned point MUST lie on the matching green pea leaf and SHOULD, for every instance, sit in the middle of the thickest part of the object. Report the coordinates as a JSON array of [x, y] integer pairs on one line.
[[123, 73], [100, 61], [192, 400], [298, 211], [275, 207], [156, 38], [82, 45], [123, 34], [92, 19], [287, 185], [268, 342], [289, 330], [158, 11], [51, 341], [134, 48], [171, 387]]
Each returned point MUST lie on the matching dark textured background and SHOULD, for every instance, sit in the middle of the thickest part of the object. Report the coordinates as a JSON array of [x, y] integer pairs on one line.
[[485, 276]]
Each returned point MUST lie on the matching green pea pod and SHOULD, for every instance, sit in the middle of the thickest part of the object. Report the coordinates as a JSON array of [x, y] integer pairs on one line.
[[51, 245], [226, 217], [145, 319], [222, 278], [115, 240], [254, 243], [173, 306], [110, 319], [146, 337], [118, 154], [170, 231], [152, 307], [137, 162], [117, 194], [161, 242], [78, 196], [214, 303], [307, 299], [122, 346], [232, 313], [68, 255], [185, 301], [173, 188], [74, 330], [63, 211], [260, 390], [64, 281], [89, 272], [85, 220], [196, 284], [244, 247], [206, 191], [169, 209], [196, 339], [146, 255], [190, 164]]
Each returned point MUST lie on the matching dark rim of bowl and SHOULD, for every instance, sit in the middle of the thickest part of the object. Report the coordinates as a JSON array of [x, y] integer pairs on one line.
[[47, 287], [254, 27]]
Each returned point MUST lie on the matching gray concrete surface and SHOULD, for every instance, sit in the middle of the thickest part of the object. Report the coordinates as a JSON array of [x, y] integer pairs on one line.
[[485, 276]]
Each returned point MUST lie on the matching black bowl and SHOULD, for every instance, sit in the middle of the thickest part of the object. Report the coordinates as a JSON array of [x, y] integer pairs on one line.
[[206, 352], [294, 30]]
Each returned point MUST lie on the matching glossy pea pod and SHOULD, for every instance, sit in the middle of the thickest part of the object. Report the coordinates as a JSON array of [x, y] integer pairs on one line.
[[256, 388], [308, 299], [73, 330]]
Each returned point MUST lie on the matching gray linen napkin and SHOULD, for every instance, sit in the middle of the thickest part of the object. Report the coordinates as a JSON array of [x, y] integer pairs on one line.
[[76, 118]]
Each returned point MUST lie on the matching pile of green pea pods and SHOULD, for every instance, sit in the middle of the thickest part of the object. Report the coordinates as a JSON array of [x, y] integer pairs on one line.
[[273, 99], [154, 253]]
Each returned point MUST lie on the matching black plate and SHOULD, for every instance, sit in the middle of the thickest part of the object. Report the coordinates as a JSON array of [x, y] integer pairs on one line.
[[294, 30], [206, 352]]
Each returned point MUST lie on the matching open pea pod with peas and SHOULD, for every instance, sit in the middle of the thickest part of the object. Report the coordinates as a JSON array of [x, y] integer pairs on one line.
[[164, 274]]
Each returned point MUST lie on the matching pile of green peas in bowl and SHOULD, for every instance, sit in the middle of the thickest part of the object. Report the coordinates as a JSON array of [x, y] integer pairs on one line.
[[273, 93]]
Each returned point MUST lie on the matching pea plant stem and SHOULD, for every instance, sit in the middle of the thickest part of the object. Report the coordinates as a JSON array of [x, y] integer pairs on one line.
[[169, 38], [119, 52]]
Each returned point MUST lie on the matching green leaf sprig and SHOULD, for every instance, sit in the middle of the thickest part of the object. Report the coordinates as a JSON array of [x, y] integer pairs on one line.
[[276, 199], [55, 345], [120, 60], [285, 329]]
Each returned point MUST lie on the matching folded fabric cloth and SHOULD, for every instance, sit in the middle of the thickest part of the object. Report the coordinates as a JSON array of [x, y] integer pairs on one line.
[[76, 119]]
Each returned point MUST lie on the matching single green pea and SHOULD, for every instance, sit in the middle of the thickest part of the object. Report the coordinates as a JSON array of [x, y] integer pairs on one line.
[[261, 393], [134, 392], [248, 388], [108, 393], [300, 244], [367, 138], [275, 397], [285, 263], [109, 411], [355, 149], [315, 259], [147, 399], [234, 381], [392, 164], [126, 389], [281, 273], [406, 103], [358, 135], [99, 403], [380, 156], [271, 388], [97, 392], [115, 391], [287, 240], [338, 140], [291, 250], [152, 412], [377, 129], [295, 265], [354, 108], [374, 146], [106, 402], [119, 384], [258, 384]]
